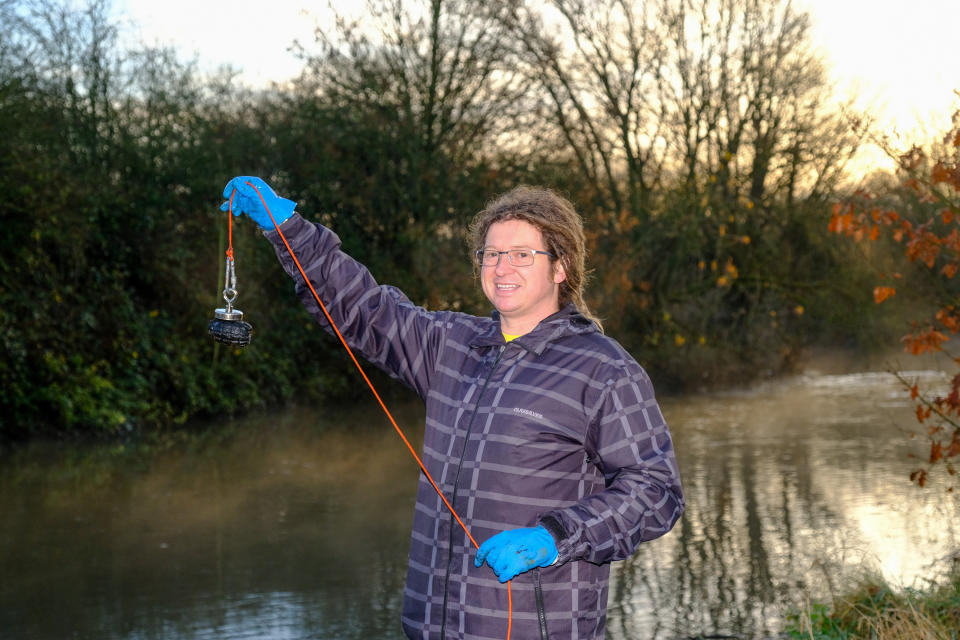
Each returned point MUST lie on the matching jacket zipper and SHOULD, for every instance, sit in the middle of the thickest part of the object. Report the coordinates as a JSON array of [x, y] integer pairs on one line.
[[456, 481], [541, 613]]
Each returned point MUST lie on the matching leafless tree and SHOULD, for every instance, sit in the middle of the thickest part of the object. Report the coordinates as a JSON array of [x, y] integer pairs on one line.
[[645, 94]]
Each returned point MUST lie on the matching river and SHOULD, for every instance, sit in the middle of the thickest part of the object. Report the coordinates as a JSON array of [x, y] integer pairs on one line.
[[295, 525]]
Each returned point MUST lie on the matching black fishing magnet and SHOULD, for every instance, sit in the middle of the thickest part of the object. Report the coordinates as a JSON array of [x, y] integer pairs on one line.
[[229, 327]]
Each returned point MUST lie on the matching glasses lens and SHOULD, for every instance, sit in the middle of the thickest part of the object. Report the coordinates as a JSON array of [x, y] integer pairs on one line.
[[521, 257], [487, 257]]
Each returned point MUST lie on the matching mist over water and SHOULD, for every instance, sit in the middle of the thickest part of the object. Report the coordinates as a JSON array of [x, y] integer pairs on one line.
[[296, 525], [794, 491]]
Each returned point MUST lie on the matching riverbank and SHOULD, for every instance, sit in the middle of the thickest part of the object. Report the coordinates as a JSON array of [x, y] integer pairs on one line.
[[877, 611]]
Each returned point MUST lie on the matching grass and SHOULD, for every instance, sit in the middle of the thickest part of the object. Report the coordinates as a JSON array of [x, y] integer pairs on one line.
[[876, 611]]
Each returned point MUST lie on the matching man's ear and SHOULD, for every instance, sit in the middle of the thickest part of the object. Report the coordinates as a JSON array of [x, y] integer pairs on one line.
[[559, 273]]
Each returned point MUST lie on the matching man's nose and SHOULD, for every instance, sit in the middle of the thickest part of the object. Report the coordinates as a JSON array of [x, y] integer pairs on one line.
[[503, 264]]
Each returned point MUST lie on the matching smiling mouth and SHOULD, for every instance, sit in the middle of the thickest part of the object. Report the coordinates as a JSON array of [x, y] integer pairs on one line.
[[507, 287]]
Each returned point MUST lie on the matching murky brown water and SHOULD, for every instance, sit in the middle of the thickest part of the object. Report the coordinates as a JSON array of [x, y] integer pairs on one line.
[[295, 526]]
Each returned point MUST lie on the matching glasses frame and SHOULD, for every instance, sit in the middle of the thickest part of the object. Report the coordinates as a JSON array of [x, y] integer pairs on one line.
[[479, 253]]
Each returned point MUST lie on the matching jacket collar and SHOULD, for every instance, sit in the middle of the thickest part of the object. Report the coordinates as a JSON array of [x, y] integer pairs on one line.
[[566, 321]]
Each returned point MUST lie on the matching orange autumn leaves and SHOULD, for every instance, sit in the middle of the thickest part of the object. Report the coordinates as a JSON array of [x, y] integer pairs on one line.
[[860, 221], [882, 293], [929, 183], [728, 273]]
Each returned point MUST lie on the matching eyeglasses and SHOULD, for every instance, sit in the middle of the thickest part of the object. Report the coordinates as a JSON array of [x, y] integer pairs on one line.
[[516, 257]]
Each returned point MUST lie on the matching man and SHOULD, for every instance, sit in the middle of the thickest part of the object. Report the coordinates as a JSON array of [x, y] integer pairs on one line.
[[543, 433]]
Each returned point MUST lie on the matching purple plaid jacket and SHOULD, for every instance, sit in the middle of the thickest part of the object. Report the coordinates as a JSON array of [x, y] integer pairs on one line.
[[559, 427]]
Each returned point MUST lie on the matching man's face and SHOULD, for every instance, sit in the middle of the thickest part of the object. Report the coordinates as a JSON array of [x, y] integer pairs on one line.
[[523, 295]]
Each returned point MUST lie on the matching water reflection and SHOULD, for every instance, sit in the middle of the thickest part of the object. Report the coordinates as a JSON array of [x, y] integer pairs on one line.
[[278, 531], [295, 526], [794, 491]]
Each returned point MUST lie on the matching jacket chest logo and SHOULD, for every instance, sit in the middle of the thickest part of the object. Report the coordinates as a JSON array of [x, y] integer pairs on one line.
[[528, 413]]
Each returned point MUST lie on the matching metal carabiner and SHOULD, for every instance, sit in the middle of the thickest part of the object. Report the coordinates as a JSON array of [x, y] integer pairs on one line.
[[230, 284]]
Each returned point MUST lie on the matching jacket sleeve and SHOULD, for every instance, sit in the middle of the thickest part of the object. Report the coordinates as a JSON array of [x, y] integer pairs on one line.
[[642, 498], [377, 321]]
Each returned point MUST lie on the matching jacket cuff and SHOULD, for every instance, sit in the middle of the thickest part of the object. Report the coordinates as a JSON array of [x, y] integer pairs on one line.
[[555, 528], [271, 232]]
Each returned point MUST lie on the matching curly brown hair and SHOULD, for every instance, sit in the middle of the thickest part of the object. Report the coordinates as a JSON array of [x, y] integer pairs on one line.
[[558, 222]]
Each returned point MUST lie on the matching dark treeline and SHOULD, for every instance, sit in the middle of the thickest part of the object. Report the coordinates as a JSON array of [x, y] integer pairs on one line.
[[699, 139]]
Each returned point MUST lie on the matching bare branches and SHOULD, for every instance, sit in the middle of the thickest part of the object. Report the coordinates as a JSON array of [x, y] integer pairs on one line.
[[645, 93]]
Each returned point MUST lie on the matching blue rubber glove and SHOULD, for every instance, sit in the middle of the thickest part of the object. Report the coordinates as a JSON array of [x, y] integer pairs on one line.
[[245, 200], [512, 552]]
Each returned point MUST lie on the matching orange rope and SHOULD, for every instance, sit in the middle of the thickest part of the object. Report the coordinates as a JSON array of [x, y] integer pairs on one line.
[[230, 227], [372, 389]]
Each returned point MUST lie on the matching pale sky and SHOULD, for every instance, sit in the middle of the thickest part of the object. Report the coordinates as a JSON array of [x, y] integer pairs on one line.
[[900, 55]]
